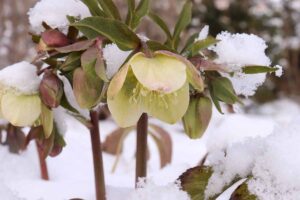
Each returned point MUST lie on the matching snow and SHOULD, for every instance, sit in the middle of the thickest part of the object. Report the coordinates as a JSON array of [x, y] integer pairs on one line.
[[279, 72], [235, 51], [147, 190], [203, 33], [54, 13], [21, 77], [270, 158], [71, 174], [114, 58]]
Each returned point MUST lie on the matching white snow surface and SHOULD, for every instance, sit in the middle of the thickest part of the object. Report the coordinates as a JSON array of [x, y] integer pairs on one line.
[[271, 159], [54, 13], [114, 58], [235, 51], [21, 77], [71, 173]]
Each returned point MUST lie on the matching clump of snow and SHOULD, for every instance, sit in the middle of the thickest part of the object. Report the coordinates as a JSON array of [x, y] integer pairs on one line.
[[279, 71], [272, 161], [203, 33], [235, 51], [21, 77], [54, 13], [147, 190], [114, 58]]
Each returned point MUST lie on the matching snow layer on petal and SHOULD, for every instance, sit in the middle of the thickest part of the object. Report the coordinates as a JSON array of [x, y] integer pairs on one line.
[[20, 76], [54, 13], [114, 58]]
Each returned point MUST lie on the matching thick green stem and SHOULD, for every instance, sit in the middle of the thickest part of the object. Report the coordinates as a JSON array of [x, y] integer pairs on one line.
[[43, 164], [141, 148], [97, 156]]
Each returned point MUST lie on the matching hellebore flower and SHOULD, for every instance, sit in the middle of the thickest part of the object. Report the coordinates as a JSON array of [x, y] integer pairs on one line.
[[158, 86], [20, 103]]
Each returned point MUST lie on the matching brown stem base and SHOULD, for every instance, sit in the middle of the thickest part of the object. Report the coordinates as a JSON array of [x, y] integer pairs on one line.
[[97, 156], [141, 148], [43, 164]]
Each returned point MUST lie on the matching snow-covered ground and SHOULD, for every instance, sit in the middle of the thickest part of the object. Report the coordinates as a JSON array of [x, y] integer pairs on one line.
[[71, 173]]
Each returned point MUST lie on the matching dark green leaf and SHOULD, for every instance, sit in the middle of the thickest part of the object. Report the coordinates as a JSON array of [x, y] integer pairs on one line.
[[202, 44], [223, 90], [155, 18], [242, 193], [215, 100], [65, 104], [94, 7], [114, 30], [255, 69], [72, 62], [110, 9], [141, 11], [155, 46], [130, 14], [183, 21], [189, 42], [195, 180]]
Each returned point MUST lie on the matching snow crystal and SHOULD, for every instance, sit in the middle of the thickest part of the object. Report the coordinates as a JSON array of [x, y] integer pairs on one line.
[[147, 190], [273, 162], [114, 58], [235, 51], [203, 33], [20, 76], [54, 13]]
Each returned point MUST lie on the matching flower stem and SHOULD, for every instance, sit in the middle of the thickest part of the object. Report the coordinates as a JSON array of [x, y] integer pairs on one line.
[[141, 148], [43, 164], [97, 156]]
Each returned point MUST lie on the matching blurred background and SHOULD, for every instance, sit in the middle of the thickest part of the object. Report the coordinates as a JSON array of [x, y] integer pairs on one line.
[[277, 21]]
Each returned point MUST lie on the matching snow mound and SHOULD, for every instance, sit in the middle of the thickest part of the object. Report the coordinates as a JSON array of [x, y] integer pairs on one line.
[[114, 58], [20, 76], [238, 50], [149, 191], [203, 33], [54, 13], [273, 162]]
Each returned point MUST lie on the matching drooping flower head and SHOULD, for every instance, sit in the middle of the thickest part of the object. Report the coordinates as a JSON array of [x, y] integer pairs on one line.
[[157, 85], [19, 100]]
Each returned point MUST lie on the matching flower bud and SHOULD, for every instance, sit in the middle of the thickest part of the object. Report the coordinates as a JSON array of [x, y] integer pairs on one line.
[[51, 89], [197, 117], [52, 39], [56, 150]]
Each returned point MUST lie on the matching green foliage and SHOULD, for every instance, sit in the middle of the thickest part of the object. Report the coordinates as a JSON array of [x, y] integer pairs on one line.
[[112, 29], [258, 69], [195, 180], [242, 193]]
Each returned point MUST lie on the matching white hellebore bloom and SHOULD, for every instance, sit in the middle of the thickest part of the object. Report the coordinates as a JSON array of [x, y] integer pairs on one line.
[[238, 50], [20, 103]]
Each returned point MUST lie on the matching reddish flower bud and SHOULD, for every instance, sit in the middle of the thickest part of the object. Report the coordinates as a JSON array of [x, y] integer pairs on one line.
[[51, 89], [56, 150], [55, 38]]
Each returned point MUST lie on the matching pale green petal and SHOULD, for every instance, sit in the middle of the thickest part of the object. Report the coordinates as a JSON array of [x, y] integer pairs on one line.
[[169, 108], [117, 82], [164, 73], [20, 110], [47, 120], [125, 107]]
